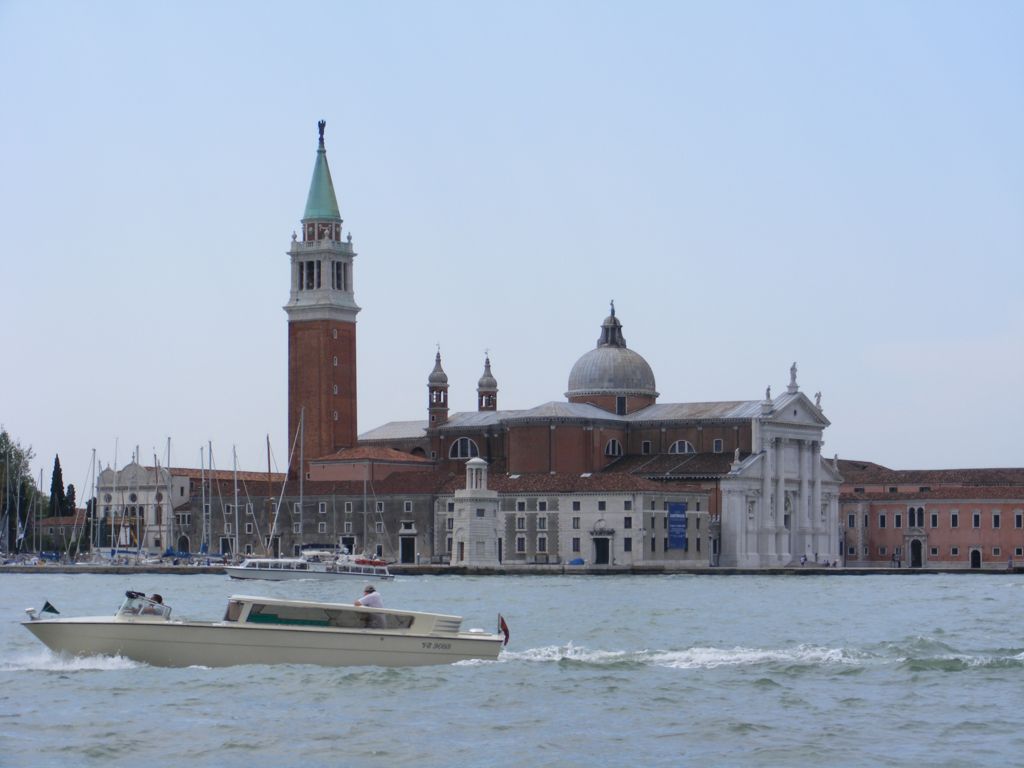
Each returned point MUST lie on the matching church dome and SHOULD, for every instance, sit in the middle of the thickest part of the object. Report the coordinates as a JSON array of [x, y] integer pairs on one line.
[[611, 368], [487, 381]]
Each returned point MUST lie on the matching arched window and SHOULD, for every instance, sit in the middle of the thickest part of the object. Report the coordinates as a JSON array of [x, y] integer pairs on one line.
[[681, 446], [463, 448], [613, 448]]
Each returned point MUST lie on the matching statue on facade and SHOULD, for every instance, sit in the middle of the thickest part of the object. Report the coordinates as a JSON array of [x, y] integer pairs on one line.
[[817, 400], [768, 393], [321, 125], [792, 375]]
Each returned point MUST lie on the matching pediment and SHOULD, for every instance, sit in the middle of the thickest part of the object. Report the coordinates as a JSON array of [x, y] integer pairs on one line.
[[797, 409]]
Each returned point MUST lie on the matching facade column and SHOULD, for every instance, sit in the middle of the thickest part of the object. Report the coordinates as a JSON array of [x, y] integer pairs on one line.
[[816, 481], [780, 497], [763, 527], [805, 497]]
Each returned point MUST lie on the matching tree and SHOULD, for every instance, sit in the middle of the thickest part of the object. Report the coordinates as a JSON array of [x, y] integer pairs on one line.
[[17, 488], [58, 501], [69, 506]]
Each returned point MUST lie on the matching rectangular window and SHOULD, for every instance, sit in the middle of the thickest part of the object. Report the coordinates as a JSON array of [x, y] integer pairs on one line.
[[322, 528], [296, 528], [542, 523], [954, 551], [654, 544], [934, 551], [897, 520], [867, 519], [627, 522], [645, 447], [451, 506], [380, 507], [450, 523], [576, 544], [542, 506], [627, 544], [407, 506], [881, 550], [1018, 519], [248, 509], [893, 489], [248, 527], [520, 523], [348, 526], [881, 521], [322, 507], [542, 543], [716, 445], [348, 507], [380, 526], [520, 506], [697, 540], [575, 506], [996, 551], [664, 544], [481, 513], [601, 506], [448, 545], [995, 519], [627, 505], [935, 519], [851, 521], [976, 519], [520, 544], [1018, 552], [576, 523], [296, 509], [851, 551], [954, 519]]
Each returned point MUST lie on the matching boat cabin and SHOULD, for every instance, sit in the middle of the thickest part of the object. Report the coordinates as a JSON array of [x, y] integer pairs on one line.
[[256, 610]]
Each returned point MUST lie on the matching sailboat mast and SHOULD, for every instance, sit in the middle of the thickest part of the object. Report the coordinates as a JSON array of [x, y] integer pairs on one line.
[[302, 469], [234, 455]]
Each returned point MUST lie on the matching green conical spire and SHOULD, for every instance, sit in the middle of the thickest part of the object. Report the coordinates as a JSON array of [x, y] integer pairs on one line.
[[321, 202]]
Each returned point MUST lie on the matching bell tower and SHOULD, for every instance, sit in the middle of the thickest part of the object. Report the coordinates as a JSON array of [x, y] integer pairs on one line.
[[322, 313]]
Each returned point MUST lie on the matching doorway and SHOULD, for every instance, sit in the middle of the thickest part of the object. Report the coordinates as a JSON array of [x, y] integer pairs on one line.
[[601, 550], [975, 558], [407, 549], [183, 545], [916, 554]]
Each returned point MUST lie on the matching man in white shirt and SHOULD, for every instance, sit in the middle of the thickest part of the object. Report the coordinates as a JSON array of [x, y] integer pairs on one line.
[[371, 598]]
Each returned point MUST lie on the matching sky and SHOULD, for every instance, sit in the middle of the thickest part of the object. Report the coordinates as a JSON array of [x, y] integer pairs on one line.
[[835, 184]]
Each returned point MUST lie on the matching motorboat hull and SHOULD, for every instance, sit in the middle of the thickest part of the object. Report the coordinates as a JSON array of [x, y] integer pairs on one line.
[[221, 644]]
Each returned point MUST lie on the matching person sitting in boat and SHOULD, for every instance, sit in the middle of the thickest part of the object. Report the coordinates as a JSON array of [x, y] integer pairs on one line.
[[371, 598], [155, 606]]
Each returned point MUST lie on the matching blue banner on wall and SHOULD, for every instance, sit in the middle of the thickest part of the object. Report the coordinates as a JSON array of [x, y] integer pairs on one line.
[[677, 525]]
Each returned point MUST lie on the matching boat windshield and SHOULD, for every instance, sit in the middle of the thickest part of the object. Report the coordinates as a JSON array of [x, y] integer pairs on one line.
[[136, 604]]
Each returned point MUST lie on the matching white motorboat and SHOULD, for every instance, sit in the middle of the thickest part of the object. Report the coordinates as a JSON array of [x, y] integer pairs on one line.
[[264, 630], [287, 568]]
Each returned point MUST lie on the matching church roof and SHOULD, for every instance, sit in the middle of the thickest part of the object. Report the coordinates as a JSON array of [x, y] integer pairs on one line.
[[396, 430], [321, 203]]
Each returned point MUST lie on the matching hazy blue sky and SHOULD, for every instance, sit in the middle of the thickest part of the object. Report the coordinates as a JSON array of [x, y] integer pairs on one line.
[[839, 184]]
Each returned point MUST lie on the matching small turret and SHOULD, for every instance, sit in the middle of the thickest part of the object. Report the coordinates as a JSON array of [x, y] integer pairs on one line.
[[437, 386], [487, 389]]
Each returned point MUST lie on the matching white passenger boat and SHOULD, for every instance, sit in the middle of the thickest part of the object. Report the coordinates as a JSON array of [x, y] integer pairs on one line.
[[287, 568], [263, 630]]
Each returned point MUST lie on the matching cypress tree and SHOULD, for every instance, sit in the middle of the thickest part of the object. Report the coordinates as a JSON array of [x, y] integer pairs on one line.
[[58, 501]]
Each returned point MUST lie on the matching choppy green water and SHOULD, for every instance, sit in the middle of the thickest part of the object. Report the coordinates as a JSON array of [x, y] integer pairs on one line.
[[656, 670]]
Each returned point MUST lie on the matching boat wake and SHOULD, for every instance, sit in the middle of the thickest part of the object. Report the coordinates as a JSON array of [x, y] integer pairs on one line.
[[47, 661], [939, 657], [689, 658]]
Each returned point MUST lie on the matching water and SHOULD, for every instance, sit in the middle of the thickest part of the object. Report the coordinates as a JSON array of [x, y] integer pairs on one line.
[[649, 670]]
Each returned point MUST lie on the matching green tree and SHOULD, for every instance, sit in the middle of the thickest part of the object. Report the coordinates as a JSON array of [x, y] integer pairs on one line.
[[17, 488], [58, 501], [69, 506]]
